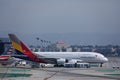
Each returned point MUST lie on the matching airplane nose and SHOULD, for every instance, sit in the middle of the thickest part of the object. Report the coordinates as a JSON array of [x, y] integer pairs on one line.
[[106, 59]]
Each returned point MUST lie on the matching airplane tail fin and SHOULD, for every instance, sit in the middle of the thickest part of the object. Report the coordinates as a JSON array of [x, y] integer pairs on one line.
[[8, 51], [22, 50]]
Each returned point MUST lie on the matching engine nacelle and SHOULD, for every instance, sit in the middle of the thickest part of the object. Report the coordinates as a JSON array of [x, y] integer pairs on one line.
[[73, 61], [61, 61]]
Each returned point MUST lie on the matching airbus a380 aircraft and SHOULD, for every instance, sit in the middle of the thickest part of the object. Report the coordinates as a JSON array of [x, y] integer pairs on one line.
[[23, 52]]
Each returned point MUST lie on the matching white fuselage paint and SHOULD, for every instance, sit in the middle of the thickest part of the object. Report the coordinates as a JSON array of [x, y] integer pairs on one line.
[[91, 57]]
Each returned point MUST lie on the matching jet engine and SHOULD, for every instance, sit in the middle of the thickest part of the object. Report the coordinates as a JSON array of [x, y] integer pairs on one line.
[[61, 61]]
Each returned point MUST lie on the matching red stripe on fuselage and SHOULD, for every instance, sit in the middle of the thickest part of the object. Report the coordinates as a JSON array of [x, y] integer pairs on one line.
[[4, 57]]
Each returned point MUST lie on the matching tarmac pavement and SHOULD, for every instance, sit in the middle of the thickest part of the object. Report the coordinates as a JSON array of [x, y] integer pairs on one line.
[[95, 73], [62, 74]]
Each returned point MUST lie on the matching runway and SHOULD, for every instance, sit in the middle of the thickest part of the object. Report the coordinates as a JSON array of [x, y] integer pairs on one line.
[[107, 72], [62, 74]]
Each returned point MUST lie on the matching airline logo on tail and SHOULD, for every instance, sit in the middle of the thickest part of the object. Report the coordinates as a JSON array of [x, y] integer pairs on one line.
[[23, 51]]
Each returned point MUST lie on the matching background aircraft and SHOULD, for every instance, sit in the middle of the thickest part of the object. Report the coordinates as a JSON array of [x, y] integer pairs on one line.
[[6, 58]]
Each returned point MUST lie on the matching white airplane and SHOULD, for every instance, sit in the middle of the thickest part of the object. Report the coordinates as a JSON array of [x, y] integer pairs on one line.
[[23, 52]]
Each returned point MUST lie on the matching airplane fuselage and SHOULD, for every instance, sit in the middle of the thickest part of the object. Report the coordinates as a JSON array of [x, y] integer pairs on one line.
[[90, 57]]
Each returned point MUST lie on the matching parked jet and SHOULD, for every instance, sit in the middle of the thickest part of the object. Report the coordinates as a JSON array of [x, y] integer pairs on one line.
[[6, 58], [23, 52]]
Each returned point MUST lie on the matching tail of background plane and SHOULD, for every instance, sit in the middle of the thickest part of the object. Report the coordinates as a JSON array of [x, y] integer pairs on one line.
[[8, 51], [23, 51]]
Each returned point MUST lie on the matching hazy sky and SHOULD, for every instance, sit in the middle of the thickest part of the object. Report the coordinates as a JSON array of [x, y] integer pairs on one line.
[[73, 21]]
